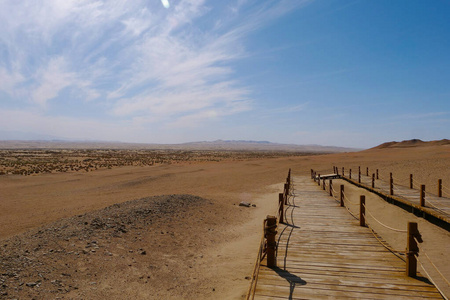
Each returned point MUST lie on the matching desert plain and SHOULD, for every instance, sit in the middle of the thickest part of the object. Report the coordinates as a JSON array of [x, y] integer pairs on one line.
[[166, 227]]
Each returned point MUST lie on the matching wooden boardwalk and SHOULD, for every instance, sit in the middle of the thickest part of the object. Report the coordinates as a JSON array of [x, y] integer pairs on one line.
[[438, 207], [323, 253]]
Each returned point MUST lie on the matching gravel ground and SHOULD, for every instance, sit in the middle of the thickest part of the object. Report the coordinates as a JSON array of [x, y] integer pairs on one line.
[[117, 251]]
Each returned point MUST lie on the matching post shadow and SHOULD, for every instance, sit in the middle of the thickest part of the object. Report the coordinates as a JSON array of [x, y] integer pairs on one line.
[[293, 280]]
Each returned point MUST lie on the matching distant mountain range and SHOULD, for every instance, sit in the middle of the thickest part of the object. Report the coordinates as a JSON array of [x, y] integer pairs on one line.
[[218, 145]]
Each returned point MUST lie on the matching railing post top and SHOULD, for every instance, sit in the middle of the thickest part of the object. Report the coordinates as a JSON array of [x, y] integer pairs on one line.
[[412, 224], [269, 217]]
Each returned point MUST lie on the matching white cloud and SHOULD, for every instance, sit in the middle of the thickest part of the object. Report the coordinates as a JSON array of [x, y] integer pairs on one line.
[[9, 80], [135, 60], [52, 80]]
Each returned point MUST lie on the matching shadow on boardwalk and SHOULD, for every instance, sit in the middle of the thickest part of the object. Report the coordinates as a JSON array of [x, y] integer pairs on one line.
[[293, 279]]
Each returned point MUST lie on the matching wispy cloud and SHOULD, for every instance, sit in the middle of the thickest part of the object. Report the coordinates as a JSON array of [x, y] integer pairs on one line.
[[137, 60], [429, 115]]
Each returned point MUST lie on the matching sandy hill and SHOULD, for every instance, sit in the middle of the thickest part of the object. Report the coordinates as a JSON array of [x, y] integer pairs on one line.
[[412, 143]]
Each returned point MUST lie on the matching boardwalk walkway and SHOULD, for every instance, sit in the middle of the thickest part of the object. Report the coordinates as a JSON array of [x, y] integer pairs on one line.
[[323, 253], [437, 207]]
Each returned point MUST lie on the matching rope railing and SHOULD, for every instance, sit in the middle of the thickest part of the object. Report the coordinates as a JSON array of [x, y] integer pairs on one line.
[[431, 279], [385, 245], [349, 211], [437, 208], [399, 180], [348, 199], [268, 245], [398, 253], [334, 191], [398, 185], [334, 194], [416, 184], [259, 258], [434, 266], [382, 224], [412, 232], [446, 190]]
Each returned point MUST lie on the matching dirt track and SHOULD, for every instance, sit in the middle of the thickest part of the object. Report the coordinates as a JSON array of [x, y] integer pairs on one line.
[[228, 254]]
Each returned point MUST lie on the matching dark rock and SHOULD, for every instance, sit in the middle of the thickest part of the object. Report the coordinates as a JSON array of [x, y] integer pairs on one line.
[[31, 284]]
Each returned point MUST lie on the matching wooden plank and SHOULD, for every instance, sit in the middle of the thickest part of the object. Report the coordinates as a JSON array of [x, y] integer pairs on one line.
[[313, 291], [327, 255], [280, 278]]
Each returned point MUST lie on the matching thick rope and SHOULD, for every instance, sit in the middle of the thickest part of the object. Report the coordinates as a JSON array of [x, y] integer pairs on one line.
[[431, 279], [350, 212], [445, 188], [395, 252], [263, 251], [437, 208], [396, 179], [436, 268], [426, 255], [384, 225], [345, 197]]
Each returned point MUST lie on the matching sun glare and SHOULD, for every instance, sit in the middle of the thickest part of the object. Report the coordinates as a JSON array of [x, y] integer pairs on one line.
[[165, 3]]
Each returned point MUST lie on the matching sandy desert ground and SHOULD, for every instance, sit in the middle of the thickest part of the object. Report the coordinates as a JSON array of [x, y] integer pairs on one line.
[[110, 234]]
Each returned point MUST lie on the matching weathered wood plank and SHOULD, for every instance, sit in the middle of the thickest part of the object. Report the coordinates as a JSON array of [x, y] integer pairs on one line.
[[327, 255], [281, 278], [312, 291]]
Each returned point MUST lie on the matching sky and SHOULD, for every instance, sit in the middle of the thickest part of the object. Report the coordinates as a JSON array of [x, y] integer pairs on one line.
[[328, 72]]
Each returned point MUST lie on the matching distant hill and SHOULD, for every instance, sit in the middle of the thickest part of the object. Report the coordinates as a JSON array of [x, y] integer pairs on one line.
[[412, 143], [218, 145]]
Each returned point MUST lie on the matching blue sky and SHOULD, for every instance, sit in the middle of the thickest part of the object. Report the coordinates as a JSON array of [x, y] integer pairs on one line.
[[335, 72]]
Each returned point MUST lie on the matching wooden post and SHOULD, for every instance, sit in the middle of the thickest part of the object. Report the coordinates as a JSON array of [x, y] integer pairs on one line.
[[318, 179], [331, 187], [411, 181], [286, 194], [312, 172], [281, 205], [373, 180], [343, 174], [362, 210], [377, 173], [391, 184], [439, 187], [367, 171], [323, 184], [350, 173], [422, 195], [270, 230], [412, 249], [359, 174], [342, 195]]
